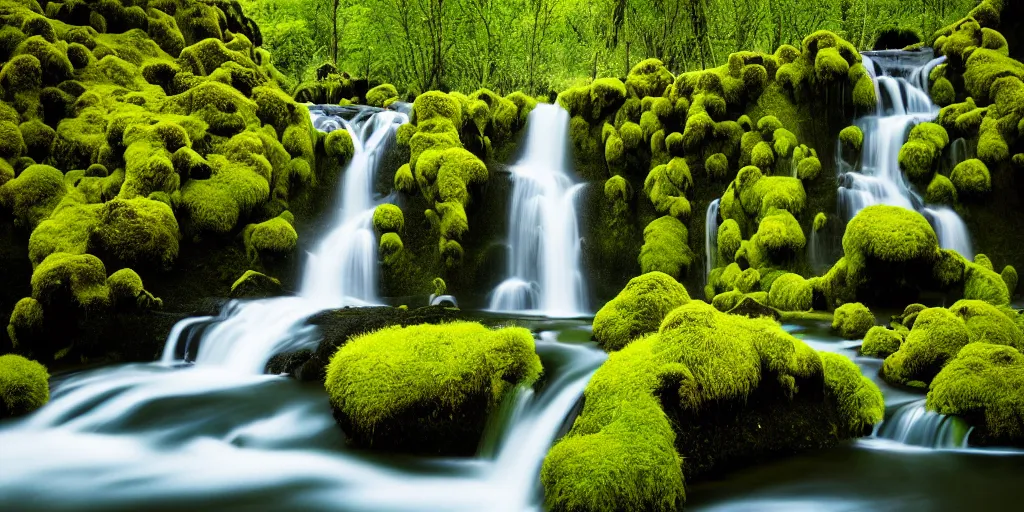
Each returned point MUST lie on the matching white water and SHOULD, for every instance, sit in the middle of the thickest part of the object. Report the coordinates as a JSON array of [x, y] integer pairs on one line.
[[903, 102], [147, 435], [914, 425], [341, 271], [544, 242], [710, 239]]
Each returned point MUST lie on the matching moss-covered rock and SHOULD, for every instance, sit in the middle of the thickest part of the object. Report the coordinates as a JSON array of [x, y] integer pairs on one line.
[[24, 386], [638, 309], [381, 95], [253, 285], [971, 178], [689, 399], [136, 232], [880, 342], [427, 388], [26, 323], [790, 292], [852, 320], [665, 247], [273, 237], [852, 138], [339, 145], [984, 384], [941, 191]]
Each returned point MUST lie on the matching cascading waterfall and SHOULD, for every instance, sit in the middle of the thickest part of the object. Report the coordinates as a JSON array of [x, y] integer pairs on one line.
[[544, 241], [914, 425], [710, 239], [903, 101], [341, 271]]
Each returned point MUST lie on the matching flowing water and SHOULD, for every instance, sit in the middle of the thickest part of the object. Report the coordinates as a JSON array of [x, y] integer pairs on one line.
[[710, 239], [544, 240], [901, 86], [341, 271]]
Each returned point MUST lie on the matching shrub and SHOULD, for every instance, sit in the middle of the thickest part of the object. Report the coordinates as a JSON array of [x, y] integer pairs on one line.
[[852, 320], [427, 388], [24, 386]]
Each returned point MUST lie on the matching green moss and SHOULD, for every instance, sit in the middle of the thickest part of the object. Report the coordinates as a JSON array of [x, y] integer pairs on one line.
[[940, 191], [852, 138], [729, 239], [390, 247], [829, 65], [137, 231], [937, 336], [971, 178], [820, 221], [790, 292], [717, 166], [271, 237], [78, 279], [981, 283], [404, 180], [942, 92], [748, 280], [434, 104], [126, 290], [1009, 275], [381, 95], [666, 187], [614, 150], [427, 388], [339, 145], [665, 247], [880, 342], [649, 77], [21, 74], [762, 156], [779, 234], [852, 320], [252, 284], [985, 385], [68, 229], [388, 218], [882, 235], [864, 94], [33, 194], [26, 323], [624, 452], [12, 145], [38, 139], [617, 190], [637, 310], [24, 386]]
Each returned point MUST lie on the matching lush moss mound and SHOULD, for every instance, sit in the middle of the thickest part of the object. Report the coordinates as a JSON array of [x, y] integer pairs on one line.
[[971, 178], [920, 153], [24, 386], [852, 138], [427, 388], [941, 191], [665, 247], [984, 384], [274, 237], [388, 218], [136, 231], [26, 321], [382, 95], [790, 292], [853, 320], [939, 334], [706, 392], [637, 310], [339, 145], [880, 342]]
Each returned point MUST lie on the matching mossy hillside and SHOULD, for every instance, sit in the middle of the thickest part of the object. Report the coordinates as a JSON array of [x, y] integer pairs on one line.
[[427, 388], [151, 138], [24, 386], [685, 402], [984, 81]]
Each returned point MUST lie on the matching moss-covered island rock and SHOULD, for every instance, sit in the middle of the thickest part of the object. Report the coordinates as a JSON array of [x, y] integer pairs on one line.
[[427, 388], [638, 309], [706, 392]]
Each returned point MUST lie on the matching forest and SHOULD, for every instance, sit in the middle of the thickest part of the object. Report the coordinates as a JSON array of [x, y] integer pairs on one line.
[[517, 255]]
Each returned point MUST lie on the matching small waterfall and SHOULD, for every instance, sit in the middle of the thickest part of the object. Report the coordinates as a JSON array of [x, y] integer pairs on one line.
[[903, 102], [818, 251], [341, 271], [710, 239], [914, 425], [544, 241]]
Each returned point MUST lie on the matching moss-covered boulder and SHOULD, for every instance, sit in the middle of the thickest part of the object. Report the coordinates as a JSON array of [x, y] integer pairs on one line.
[[707, 392], [880, 342], [427, 388], [24, 386], [984, 384], [665, 248], [638, 309], [852, 320], [790, 292]]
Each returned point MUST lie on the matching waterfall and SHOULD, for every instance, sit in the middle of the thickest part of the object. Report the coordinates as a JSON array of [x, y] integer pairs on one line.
[[901, 86], [341, 271], [544, 241], [914, 425], [710, 239]]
